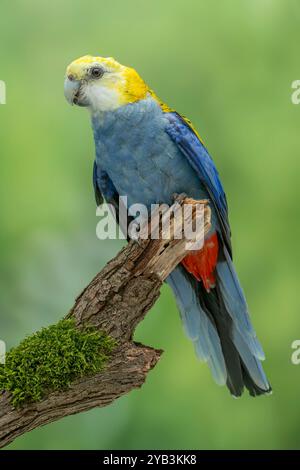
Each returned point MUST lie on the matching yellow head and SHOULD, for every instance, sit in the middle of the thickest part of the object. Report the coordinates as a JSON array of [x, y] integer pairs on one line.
[[102, 84]]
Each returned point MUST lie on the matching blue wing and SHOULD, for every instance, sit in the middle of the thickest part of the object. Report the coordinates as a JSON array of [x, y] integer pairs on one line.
[[103, 186], [192, 148]]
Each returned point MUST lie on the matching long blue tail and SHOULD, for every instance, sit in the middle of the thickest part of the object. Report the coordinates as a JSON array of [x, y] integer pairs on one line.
[[218, 323]]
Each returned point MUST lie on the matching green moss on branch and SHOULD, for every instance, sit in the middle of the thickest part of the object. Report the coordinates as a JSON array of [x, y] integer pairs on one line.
[[51, 359]]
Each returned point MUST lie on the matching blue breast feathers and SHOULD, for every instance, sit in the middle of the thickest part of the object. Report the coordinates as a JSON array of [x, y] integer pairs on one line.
[[140, 158]]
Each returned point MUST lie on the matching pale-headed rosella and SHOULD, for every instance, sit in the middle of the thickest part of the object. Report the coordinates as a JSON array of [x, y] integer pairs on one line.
[[148, 152]]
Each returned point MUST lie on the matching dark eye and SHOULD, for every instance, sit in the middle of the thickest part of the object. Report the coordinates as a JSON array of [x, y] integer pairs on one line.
[[96, 72]]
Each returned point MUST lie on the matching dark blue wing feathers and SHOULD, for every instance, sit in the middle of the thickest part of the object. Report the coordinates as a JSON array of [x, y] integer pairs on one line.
[[103, 186], [197, 155], [98, 192]]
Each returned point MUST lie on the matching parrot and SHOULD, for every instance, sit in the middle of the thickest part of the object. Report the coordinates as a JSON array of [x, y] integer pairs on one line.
[[148, 152]]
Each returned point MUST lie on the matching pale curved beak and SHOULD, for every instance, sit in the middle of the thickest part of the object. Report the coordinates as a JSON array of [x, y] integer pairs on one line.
[[72, 90]]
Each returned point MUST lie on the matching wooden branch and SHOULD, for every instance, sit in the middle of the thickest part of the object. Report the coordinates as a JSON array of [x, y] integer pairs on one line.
[[115, 301]]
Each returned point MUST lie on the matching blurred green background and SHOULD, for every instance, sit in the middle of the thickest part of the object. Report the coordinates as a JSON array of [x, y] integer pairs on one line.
[[229, 67]]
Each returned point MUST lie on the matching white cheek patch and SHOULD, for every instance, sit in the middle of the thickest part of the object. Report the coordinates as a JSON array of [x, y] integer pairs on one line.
[[102, 98]]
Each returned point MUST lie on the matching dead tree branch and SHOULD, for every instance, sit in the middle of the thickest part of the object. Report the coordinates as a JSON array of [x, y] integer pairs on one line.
[[115, 301]]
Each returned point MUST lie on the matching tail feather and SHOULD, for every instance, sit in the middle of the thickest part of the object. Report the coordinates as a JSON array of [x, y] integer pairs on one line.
[[213, 306], [197, 324], [243, 367], [219, 325], [251, 363], [216, 360], [236, 305]]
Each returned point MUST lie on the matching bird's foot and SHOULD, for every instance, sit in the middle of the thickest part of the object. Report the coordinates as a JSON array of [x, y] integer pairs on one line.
[[179, 197], [138, 230]]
